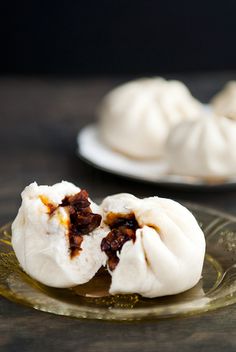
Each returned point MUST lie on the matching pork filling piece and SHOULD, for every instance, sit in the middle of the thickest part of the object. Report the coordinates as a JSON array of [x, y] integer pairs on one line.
[[123, 228], [82, 220]]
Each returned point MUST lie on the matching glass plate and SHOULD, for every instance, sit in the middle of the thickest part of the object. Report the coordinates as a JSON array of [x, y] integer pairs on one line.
[[93, 151], [216, 289]]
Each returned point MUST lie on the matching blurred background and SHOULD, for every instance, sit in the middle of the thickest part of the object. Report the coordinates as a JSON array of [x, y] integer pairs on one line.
[[116, 37], [59, 58]]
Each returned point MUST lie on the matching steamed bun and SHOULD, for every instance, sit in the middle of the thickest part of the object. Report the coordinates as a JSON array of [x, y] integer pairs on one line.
[[205, 147], [56, 235], [155, 246], [224, 103], [135, 118]]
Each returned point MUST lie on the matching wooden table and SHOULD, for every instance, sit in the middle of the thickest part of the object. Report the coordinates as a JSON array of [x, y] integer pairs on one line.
[[39, 122]]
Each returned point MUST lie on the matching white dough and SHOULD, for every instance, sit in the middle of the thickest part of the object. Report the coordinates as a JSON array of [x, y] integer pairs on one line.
[[41, 243], [224, 103], [167, 256], [205, 147], [136, 117]]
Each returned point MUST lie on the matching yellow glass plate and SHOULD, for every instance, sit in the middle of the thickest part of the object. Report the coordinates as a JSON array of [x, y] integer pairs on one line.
[[216, 289]]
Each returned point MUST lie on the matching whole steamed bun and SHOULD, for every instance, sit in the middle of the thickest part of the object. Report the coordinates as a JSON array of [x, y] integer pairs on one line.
[[205, 147], [155, 247], [43, 235], [135, 118], [224, 103]]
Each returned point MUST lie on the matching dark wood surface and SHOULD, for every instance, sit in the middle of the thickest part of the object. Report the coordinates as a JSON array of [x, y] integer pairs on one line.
[[39, 122]]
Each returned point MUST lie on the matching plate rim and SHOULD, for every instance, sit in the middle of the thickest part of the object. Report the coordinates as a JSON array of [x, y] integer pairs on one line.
[[167, 183]]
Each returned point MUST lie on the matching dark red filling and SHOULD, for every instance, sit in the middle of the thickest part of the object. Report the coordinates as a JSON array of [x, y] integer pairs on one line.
[[123, 228], [82, 220]]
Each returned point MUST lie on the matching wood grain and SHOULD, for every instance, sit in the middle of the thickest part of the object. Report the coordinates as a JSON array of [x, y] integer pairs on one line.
[[39, 122]]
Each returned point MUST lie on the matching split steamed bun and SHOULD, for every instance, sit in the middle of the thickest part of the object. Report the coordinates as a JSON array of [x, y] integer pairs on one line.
[[152, 246], [224, 103], [163, 246], [43, 235], [205, 147], [135, 118]]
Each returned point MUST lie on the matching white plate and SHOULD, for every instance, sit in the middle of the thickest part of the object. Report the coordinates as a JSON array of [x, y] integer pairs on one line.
[[92, 149]]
